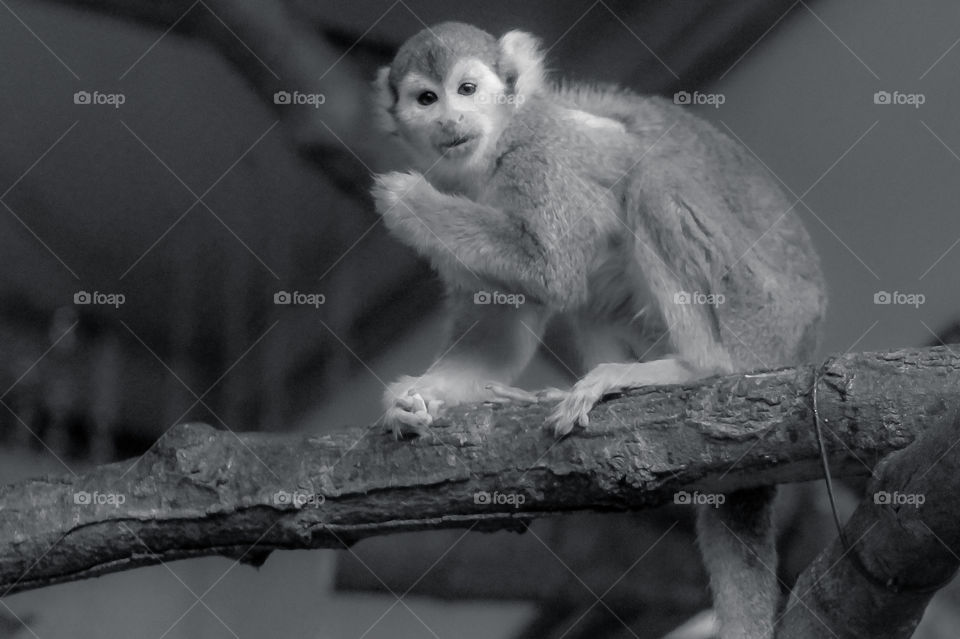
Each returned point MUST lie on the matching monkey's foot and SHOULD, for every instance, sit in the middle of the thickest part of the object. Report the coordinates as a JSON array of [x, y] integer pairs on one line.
[[607, 379], [573, 404], [574, 408]]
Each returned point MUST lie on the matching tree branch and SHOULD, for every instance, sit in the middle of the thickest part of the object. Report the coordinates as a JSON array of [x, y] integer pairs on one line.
[[902, 536], [200, 491]]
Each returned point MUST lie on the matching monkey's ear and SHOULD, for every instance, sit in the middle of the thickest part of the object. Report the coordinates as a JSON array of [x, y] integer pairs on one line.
[[521, 63], [383, 102]]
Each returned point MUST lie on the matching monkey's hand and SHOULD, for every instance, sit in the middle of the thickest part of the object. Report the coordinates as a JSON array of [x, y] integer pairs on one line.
[[396, 188], [411, 404], [407, 203]]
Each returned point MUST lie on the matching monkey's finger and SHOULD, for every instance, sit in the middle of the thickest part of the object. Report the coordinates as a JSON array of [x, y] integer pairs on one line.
[[419, 405], [564, 425], [572, 411], [417, 421], [503, 393], [403, 424], [403, 431], [405, 402], [560, 425]]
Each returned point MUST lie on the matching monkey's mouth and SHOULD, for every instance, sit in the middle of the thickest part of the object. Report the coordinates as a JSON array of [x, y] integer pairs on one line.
[[457, 142]]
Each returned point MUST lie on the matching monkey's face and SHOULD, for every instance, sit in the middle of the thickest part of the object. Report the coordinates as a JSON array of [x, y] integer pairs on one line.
[[456, 119]]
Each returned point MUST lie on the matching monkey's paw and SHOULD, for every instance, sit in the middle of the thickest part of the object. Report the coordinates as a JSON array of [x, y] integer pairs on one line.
[[397, 190], [571, 410], [410, 408], [574, 407]]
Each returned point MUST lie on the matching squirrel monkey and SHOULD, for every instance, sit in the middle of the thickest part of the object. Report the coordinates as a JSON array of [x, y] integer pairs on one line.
[[664, 246]]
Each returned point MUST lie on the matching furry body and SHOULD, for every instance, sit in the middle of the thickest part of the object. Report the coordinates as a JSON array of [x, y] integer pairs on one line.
[[664, 246]]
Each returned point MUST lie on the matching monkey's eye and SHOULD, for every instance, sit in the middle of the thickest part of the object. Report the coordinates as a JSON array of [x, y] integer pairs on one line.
[[427, 98], [467, 88]]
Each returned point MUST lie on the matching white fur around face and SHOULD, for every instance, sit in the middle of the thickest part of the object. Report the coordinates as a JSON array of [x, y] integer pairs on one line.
[[408, 110], [490, 88], [480, 115]]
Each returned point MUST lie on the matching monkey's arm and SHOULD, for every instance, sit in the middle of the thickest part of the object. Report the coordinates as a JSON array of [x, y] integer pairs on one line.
[[540, 240]]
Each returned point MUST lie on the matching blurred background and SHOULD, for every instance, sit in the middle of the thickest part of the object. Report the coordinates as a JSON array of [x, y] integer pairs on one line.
[[163, 195]]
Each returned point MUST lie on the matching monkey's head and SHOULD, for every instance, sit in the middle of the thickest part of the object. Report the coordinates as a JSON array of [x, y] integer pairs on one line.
[[452, 88]]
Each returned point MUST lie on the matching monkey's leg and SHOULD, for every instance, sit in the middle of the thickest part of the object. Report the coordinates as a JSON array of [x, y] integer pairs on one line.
[[738, 547], [607, 379], [489, 344]]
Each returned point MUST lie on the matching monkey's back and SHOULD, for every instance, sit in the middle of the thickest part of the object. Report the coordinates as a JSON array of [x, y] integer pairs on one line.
[[742, 237]]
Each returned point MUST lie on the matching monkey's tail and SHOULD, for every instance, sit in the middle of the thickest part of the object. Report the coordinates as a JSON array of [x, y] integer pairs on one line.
[[738, 545]]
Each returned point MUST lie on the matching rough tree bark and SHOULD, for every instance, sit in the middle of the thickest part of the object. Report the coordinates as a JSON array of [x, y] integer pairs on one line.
[[904, 536], [202, 492]]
